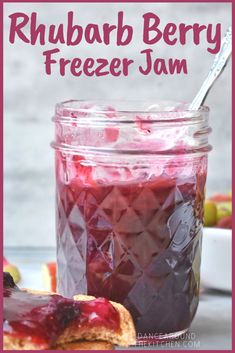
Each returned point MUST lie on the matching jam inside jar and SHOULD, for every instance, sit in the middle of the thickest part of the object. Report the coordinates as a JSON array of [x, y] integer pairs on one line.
[[129, 208]]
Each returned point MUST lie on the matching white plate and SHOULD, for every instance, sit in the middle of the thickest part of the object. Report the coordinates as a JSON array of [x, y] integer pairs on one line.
[[216, 265]]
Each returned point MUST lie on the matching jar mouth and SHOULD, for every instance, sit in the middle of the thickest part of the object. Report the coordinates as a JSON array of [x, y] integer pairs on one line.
[[126, 111], [92, 127]]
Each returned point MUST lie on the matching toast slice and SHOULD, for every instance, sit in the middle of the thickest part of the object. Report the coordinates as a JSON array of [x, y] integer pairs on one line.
[[124, 338], [127, 334], [98, 335]]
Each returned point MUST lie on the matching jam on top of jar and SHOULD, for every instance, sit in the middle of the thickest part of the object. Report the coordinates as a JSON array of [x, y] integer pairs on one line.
[[43, 318]]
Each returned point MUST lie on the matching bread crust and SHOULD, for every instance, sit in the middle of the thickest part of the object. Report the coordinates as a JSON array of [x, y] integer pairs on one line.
[[21, 343], [11, 343], [86, 345], [78, 338]]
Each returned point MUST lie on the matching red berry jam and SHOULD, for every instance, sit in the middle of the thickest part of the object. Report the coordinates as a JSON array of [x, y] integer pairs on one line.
[[43, 318], [137, 242]]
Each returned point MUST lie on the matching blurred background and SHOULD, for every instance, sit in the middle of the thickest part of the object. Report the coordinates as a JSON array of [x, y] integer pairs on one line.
[[30, 97]]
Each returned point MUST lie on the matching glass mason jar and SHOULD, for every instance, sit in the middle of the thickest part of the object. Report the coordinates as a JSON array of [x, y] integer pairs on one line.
[[130, 181]]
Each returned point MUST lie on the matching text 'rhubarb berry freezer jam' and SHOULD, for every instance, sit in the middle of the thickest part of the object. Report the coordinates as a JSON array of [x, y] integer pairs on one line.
[[130, 180]]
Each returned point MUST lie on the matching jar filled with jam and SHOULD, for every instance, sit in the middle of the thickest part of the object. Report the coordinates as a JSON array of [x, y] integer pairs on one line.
[[130, 180]]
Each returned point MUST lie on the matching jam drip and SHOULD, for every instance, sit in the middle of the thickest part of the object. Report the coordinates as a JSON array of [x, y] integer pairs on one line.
[[43, 318]]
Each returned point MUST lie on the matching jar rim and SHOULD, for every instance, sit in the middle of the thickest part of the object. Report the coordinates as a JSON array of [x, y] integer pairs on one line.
[[81, 128], [67, 110]]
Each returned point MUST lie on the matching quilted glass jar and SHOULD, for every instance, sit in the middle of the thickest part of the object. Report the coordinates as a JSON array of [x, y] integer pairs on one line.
[[130, 181]]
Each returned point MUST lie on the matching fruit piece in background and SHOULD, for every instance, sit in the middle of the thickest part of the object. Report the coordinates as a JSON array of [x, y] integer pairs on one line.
[[210, 213], [223, 204], [221, 197], [224, 209], [12, 269], [225, 222], [49, 276]]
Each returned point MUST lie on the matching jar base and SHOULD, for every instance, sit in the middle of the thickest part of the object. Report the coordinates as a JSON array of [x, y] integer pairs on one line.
[[154, 339]]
